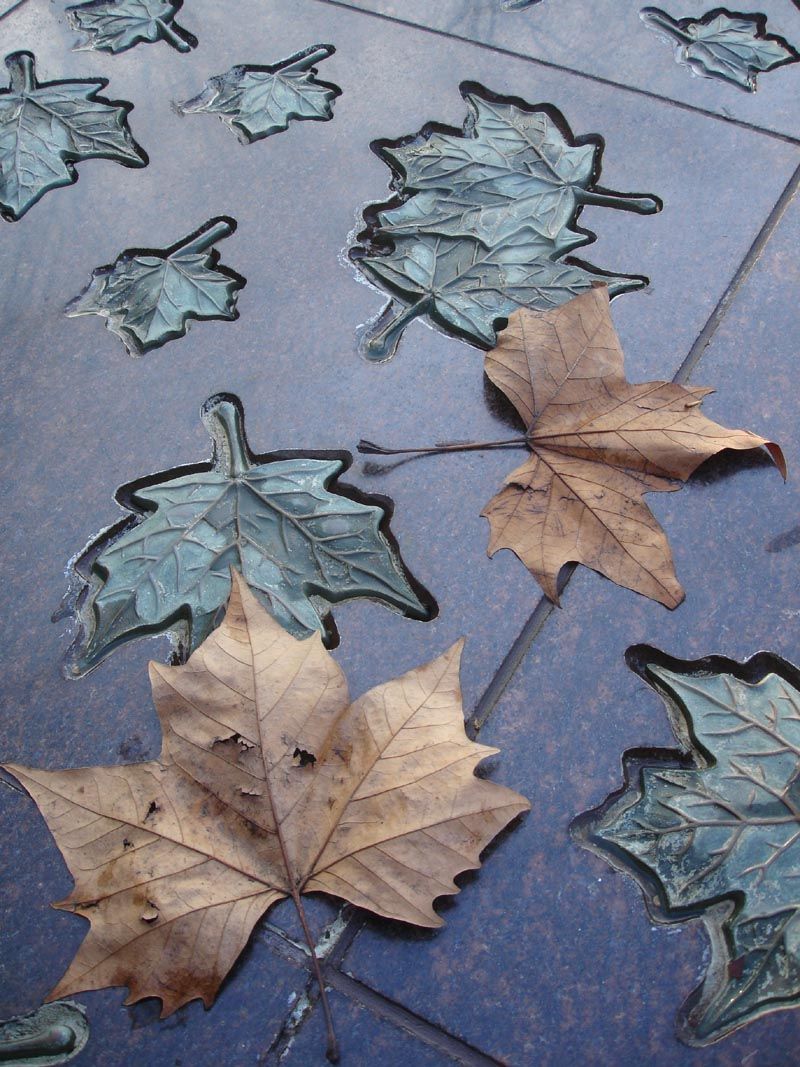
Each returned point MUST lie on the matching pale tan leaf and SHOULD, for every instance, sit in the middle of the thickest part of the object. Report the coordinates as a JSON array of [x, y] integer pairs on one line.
[[599, 443], [175, 860]]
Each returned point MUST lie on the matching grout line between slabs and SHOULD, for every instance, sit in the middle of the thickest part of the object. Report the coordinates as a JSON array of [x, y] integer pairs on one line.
[[609, 82], [545, 608], [369, 999], [743, 272]]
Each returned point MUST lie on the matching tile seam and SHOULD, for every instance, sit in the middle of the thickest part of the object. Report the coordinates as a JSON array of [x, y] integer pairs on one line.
[[550, 65], [740, 276], [372, 1001]]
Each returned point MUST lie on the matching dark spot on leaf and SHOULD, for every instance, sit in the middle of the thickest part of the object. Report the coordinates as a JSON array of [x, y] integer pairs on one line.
[[152, 810], [303, 758]]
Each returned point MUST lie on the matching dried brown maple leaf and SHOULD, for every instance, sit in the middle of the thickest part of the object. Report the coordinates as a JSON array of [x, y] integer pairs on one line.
[[598, 444], [175, 860]]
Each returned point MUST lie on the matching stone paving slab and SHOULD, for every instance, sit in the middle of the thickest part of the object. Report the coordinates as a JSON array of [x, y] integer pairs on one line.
[[548, 956], [81, 417], [606, 39]]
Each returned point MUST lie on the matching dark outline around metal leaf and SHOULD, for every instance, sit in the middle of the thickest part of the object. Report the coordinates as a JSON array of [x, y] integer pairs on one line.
[[350, 550], [226, 95], [65, 100], [717, 706], [475, 189], [148, 296], [103, 22], [692, 48]]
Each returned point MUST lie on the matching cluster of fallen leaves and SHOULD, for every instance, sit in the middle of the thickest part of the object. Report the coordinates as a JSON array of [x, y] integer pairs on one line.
[[175, 860]]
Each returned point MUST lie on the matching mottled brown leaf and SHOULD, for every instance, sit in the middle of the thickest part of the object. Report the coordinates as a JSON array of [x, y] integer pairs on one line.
[[599, 443], [175, 860]]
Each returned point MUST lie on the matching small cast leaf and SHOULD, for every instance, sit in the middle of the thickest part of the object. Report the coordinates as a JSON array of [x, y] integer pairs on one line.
[[465, 286], [258, 101], [721, 837], [176, 860], [730, 46], [598, 444], [116, 25], [283, 523], [46, 127], [148, 296]]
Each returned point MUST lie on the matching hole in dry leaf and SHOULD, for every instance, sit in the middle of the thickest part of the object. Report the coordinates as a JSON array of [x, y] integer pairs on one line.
[[301, 758], [152, 810], [150, 913]]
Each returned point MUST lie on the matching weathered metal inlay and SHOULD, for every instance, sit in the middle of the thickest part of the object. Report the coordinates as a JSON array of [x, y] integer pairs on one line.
[[482, 221], [714, 831]]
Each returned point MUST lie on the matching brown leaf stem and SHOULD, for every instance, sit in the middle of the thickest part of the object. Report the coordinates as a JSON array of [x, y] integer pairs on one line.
[[332, 1051], [369, 448]]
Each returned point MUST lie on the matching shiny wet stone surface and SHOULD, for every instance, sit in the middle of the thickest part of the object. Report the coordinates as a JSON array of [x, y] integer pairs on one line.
[[548, 957]]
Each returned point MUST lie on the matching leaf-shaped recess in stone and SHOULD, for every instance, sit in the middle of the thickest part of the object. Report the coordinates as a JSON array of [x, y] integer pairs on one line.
[[723, 44], [116, 25], [514, 180], [301, 541], [258, 101], [46, 127], [148, 295], [175, 860], [51, 1035], [714, 831]]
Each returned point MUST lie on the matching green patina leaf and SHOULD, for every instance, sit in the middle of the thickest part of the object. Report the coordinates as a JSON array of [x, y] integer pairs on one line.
[[465, 286], [148, 296], [52, 1034], [300, 543], [514, 180], [721, 838], [723, 44], [258, 101], [116, 25], [46, 127]]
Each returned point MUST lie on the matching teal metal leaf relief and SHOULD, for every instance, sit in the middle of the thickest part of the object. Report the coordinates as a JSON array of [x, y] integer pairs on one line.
[[714, 831], [258, 101], [482, 221], [117, 25], [149, 296], [52, 1034], [722, 44], [301, 541], [47, 127]]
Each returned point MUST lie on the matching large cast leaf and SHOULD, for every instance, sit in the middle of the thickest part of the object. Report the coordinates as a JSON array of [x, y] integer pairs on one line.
[[149, 296], [598, 444], [116, 25], [46, 127], [176, 860], [514, 179], [258, 101], [721, 44], [721, 838], [466, 287], [301, 544]]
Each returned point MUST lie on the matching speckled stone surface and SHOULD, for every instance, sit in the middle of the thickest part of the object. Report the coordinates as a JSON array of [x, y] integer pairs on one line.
[[80, 417], [607, 39], [364, 1040], [554, 947]]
